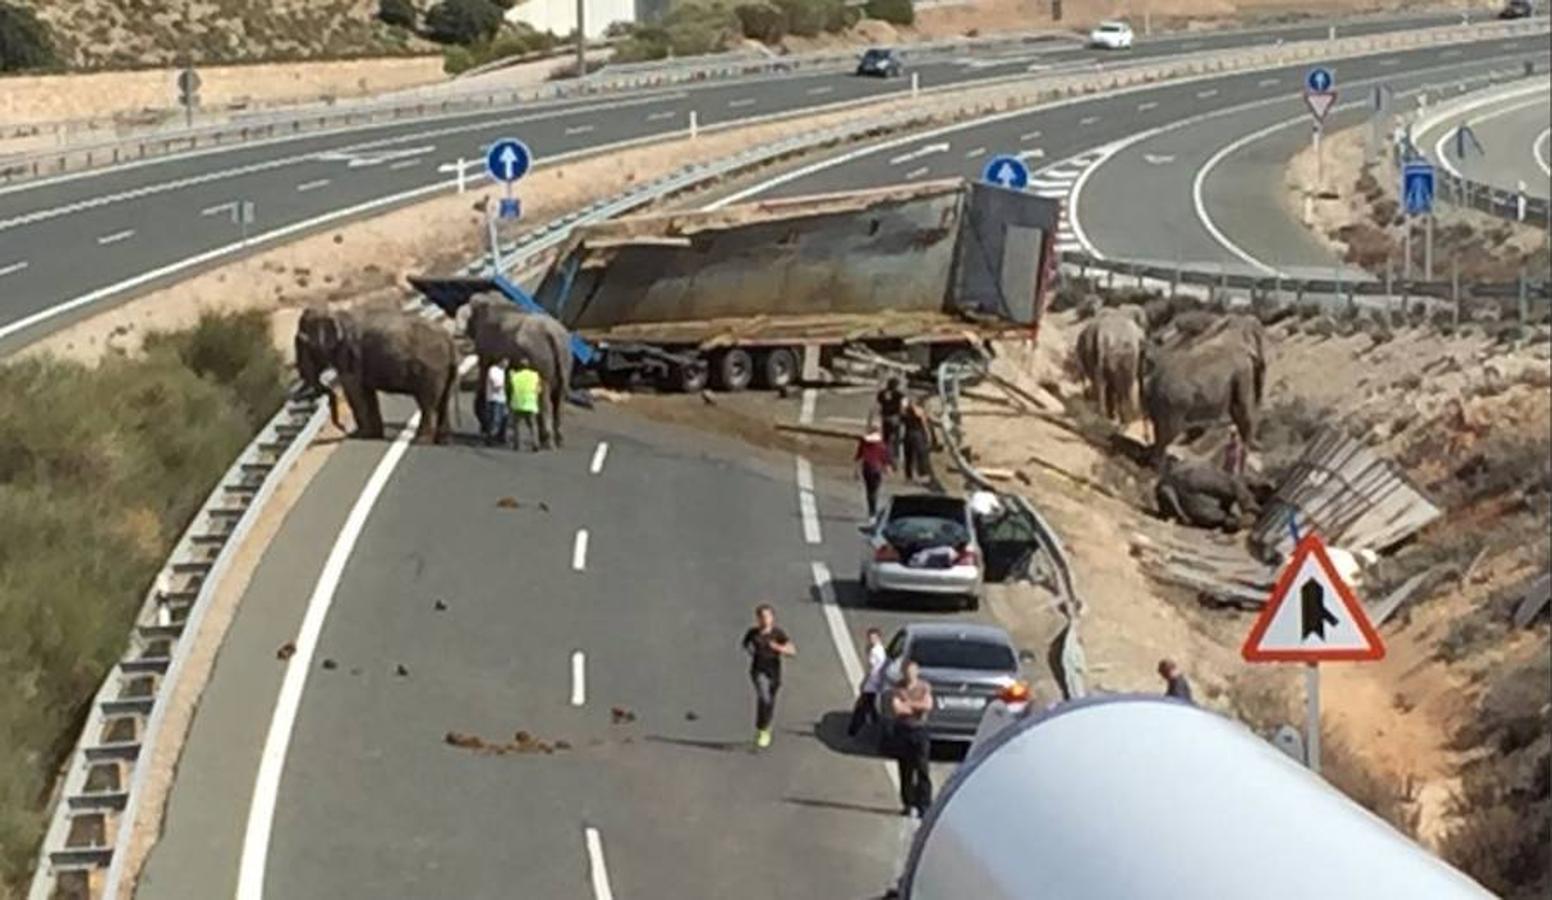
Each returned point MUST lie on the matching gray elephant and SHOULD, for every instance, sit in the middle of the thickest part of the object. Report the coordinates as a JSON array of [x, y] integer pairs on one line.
[[373, 351], [501, 331], [1202, 495], [1109, 351], [1198, 385]]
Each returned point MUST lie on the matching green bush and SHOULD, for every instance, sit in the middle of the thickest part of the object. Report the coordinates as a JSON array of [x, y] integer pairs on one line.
[[761, 22], [25, 42], [399, 13], [807, 18], [688, 30], [100, 471], [463, 21], [895, 12], [457, 60]]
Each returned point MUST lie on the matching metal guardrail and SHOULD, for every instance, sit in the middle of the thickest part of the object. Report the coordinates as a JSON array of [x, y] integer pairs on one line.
[[1071, 661], [1458, 190], [99, 795]]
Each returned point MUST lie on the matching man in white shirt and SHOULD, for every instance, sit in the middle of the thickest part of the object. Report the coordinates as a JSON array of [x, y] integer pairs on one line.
[[496, 404], [866, 708]]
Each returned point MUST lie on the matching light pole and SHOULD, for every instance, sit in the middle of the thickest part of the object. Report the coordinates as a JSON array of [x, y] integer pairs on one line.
[[581, 39]]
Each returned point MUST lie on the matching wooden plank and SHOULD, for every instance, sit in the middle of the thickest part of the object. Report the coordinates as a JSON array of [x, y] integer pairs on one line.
[[818, 430]]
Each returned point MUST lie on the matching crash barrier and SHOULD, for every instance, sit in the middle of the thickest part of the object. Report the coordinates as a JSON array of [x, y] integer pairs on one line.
[[106, 153], [1524, 298], [104, 781], [1459, 190], [1071, 664]]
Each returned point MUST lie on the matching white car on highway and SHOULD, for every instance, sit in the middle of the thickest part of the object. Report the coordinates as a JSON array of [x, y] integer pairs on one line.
[[1111, 35], [923, 544]]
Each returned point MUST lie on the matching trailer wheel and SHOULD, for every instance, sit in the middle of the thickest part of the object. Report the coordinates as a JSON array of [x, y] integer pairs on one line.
[[734, 369], [690, 379], [778, 368]]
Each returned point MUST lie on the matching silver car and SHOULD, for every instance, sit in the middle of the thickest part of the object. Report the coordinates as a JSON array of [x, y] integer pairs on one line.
[[923, 544], [969, 665]]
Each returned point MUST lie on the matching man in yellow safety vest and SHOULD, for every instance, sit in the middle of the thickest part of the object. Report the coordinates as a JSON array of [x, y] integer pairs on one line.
[[523, 394]]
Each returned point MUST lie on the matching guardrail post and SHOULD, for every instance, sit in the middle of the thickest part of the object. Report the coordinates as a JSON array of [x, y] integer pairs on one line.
[[1331, 33], [1455, 290], [1519, 202], [1174, 281]]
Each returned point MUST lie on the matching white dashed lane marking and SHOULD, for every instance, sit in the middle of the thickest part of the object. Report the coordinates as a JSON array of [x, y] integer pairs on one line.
[[12, 268], [579, 551], [116, 236], [599, 455], [597, 871], [808, 504], [579, 129], [578, 678], [313, 185]]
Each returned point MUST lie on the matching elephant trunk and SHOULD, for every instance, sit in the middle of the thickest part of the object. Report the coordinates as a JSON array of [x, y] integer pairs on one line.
[[311, 369]]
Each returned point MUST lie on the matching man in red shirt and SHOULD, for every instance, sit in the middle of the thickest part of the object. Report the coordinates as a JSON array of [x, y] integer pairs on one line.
[[873, 460]]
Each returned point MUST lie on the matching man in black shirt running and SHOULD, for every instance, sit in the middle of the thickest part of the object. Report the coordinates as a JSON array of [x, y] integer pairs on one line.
[[766, 645]]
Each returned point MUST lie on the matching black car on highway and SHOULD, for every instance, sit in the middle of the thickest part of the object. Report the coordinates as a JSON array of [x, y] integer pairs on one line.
[[1517, 9], [880, 62]]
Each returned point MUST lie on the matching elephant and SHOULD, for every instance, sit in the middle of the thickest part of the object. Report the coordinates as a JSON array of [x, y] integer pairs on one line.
[[1194, 385], [501, 331], [373, 351], [1109, 351], [1203, 495]]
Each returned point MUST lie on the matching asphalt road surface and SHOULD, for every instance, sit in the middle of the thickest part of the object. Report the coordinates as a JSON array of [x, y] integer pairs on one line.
[[1514, 134], [97, 236]]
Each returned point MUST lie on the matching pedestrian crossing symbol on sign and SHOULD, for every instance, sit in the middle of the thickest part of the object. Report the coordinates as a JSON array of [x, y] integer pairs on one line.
[[1312, 615]]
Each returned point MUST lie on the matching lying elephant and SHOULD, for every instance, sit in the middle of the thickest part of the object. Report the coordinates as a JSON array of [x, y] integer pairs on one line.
[[373, 351], [1202, 495], [1203, 378], [501, 331], [1109, 352]]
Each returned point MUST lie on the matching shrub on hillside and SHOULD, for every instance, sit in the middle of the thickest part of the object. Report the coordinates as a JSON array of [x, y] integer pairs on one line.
[[895, 12], [807, 18], [100, 470], [689, 30], [761, 22], [399, 13], [463, 21], [25, 42]]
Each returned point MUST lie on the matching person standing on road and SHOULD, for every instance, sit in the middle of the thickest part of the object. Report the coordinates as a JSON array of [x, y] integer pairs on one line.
[[1175, 683], [524, 393], [872, 462], [865, 710], [766, 644], [909, 703], [891, 403], [918, 441], [496, 403]]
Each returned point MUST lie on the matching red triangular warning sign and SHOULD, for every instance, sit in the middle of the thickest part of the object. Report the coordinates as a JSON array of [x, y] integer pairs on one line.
[[1312, 615], [1319, 103]]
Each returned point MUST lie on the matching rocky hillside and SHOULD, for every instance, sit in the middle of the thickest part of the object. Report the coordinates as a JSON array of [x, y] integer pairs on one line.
[[99, 34]]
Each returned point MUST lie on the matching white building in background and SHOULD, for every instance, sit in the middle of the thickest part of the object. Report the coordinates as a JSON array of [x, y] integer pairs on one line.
[[560, 16]]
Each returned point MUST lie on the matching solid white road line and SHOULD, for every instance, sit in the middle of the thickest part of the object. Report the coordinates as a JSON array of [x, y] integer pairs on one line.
[[272, 761], [851, 663], [1538, 148], [1144, 107], [808, 504], [1200, 203], [579, 551], [599, 455], [578, 678], [742, 101], [12, 268], [116, 236], [219, 208], [916, 173], [598, 872], [312, 185]]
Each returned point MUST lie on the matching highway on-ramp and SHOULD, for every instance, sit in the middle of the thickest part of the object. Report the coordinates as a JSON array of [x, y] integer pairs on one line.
[[1513, 129], [71, 242]]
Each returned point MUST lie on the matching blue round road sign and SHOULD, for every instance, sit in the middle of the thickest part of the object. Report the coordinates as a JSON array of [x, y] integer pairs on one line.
[[1319, 80], [1006, 171], [508, 160]]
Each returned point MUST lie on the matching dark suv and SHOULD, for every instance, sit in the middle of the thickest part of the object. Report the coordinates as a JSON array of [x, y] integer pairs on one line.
[[880, 62], [1517, 9]]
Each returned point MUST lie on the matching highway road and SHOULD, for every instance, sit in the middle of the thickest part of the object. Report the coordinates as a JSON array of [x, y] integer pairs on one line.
[[1513, 128], [1132, 158], [72, 242], [642, 547]]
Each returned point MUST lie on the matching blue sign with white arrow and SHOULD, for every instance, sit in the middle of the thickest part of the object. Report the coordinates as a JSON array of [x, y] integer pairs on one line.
[[1006, 171], [508, 160], [1319, 80], [1417, 182]]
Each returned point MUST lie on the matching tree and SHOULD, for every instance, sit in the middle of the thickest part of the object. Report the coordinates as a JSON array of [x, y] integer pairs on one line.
[[761, 22], [895, 12], [463, 21], [400, 13], [25, 42]]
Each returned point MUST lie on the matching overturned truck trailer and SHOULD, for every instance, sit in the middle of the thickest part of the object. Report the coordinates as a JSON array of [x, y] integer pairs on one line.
[[771, 292], [768, 293]]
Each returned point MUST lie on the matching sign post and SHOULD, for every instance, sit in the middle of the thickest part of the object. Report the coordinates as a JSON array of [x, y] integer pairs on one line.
[[1319, 96], [188, 93], [1417, 190], [1311, 617], [507, 160], [1006, 170], [1466, 143]]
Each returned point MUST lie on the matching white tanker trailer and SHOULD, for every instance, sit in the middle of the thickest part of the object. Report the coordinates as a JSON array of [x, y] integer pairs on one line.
[[1145, 798]]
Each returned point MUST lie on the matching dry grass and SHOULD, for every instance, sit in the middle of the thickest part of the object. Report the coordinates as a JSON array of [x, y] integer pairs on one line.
[[100, 470]]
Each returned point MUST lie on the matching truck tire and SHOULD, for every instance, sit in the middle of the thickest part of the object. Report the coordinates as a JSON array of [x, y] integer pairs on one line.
[[733, 369], [778, 368], [689, 379]]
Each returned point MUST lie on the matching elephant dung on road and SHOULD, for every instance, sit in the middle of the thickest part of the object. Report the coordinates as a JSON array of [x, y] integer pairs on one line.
[[1109, 351], [379, 350], [1203, 495], [501, 331], [1200, 379]]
